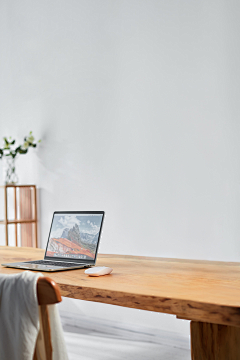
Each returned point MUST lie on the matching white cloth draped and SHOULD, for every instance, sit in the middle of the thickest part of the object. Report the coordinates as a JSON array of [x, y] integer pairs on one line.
[[19, 319]]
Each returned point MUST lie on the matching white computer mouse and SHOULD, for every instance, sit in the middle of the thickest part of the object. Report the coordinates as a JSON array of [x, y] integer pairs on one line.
[[98, 271]]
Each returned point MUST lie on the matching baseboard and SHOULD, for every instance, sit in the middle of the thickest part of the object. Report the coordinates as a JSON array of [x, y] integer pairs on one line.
[[85, 324]]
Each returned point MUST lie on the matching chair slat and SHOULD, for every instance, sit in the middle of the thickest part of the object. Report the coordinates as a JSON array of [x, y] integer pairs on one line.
[[48, 291]]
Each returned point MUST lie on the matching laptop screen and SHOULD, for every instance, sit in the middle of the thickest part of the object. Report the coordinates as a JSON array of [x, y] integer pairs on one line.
[[74, 236]]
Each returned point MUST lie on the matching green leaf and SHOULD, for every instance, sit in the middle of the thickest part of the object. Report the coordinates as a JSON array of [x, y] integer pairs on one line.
[[6, 141], [21, 151]]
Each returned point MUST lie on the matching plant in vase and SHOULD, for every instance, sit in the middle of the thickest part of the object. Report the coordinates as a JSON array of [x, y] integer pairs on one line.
[[9, 154]]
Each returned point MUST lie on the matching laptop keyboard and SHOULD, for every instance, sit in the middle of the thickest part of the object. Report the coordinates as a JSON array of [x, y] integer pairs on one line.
[[54, 263]]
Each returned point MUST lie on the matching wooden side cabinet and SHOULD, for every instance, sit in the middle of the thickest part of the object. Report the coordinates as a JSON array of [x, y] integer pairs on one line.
[[25, 213]]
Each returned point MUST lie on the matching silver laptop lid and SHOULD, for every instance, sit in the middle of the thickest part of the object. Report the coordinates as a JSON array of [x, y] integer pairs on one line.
[[74, 236]]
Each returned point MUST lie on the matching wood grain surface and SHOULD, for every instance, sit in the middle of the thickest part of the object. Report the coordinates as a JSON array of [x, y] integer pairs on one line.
[[214, 342], [26, 213], [207, 291]]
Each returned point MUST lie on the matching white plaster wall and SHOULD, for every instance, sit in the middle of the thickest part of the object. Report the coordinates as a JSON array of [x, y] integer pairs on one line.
[[136, 103]]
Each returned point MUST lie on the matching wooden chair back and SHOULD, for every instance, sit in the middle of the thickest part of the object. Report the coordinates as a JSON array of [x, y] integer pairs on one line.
[[48, 293]]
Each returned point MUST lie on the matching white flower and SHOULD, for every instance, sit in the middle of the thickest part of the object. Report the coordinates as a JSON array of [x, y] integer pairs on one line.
[[25, 145], [30, 139]]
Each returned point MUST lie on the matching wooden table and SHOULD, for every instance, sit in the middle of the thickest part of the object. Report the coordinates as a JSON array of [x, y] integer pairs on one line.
[[206, 292]]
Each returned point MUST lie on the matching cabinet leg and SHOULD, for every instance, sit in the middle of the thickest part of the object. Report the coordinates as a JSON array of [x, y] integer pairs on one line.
[[6, 215], [214, 342]]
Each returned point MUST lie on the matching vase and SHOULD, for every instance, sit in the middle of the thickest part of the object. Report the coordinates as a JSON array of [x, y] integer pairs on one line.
[[9, 171]]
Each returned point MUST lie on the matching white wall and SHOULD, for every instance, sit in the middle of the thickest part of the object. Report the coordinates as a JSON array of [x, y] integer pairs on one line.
[[136, 103]]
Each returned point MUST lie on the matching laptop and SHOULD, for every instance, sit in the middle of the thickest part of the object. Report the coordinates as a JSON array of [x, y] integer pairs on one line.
[[72, 242]]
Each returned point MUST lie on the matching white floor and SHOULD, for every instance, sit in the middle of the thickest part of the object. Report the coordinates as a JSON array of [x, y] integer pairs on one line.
[[97, 346]]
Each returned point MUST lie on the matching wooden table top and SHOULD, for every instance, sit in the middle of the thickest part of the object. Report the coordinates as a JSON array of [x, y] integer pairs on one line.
[[207, 291]]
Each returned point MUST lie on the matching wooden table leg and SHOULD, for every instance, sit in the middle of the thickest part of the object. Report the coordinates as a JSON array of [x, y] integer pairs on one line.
[[214, 342]]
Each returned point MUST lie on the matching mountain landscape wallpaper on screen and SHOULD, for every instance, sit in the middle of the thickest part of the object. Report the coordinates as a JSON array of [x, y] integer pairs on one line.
[[74, 236]]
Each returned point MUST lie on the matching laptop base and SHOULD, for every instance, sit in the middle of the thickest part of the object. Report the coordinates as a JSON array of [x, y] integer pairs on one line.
[[39, 267]]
